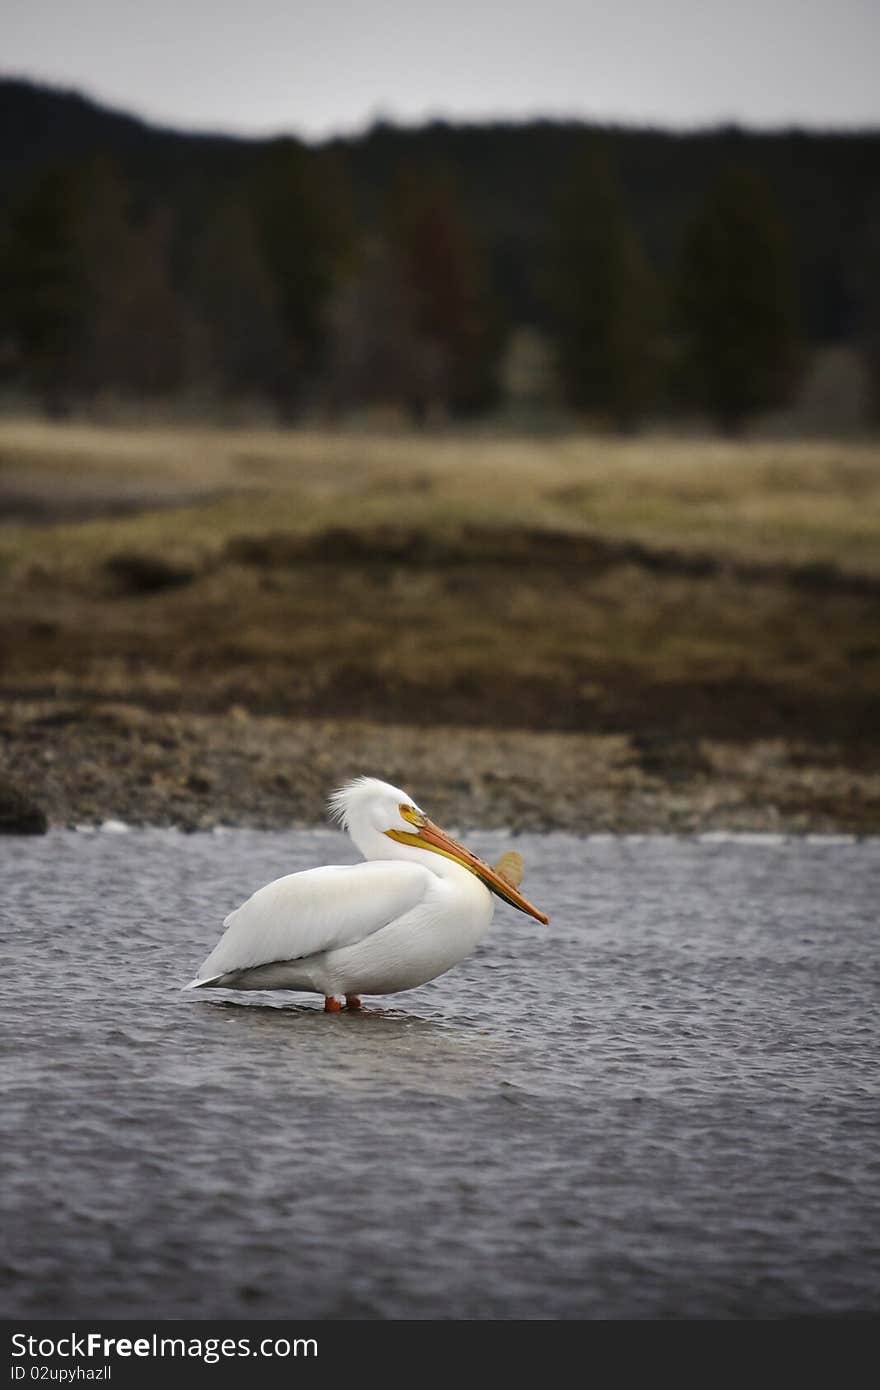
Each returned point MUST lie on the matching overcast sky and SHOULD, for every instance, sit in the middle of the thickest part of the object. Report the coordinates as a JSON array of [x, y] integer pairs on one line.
[[255, 66]]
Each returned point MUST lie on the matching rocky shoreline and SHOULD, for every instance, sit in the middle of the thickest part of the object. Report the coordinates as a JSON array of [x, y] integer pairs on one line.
[[67, 764]]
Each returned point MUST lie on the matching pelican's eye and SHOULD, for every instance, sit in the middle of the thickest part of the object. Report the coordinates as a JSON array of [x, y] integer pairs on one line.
[[411, 814]]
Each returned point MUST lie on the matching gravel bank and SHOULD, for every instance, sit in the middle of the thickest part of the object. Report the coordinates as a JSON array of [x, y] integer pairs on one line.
[[81, 765]]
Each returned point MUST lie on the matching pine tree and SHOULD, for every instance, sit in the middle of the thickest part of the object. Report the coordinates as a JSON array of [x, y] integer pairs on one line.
[[45, 300], [89, 303], [133, 339], [377, 353], [869, 326], [300, 204], [236, 308], [737, 303], [411, 325], [448, 280], [604, 299]]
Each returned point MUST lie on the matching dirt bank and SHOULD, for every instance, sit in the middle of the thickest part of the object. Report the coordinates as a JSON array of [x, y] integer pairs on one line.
[[84, 765]]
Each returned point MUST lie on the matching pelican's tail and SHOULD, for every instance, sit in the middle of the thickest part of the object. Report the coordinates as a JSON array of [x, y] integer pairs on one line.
[[203, 984]]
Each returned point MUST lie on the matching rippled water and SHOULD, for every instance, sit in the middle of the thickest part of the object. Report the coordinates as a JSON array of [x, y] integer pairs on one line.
[[664, 1105]]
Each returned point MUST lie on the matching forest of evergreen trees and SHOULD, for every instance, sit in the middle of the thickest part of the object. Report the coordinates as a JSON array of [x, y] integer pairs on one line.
[[673, 275]]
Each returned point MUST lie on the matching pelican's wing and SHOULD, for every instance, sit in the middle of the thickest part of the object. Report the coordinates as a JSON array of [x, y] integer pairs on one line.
[[313, 911]]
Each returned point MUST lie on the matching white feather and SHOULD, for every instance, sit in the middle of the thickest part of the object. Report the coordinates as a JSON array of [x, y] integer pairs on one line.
[[313, 911]]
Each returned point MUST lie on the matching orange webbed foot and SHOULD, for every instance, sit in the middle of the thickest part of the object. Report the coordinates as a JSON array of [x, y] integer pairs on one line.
[[353, 1001], [332, 1005]]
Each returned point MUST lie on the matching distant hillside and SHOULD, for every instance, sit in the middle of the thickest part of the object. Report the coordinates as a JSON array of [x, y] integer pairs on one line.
[[827, 184], [43, 125]]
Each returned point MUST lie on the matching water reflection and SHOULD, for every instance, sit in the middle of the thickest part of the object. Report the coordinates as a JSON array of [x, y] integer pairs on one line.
[[394, 1048]]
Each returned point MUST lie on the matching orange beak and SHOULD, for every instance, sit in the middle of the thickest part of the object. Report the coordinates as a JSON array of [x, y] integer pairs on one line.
[[430, 836]]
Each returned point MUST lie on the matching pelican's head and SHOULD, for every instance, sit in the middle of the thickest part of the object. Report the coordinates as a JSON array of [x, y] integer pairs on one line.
[[374, 812]]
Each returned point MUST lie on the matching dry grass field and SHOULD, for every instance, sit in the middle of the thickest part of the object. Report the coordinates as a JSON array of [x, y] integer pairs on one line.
[[798, 502], [701, 618]]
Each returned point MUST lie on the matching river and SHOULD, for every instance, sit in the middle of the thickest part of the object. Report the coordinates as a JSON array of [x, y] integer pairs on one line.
[[662, 1106]]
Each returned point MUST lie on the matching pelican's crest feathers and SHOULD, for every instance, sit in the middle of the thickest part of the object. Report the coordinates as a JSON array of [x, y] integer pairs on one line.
[[344, 802]]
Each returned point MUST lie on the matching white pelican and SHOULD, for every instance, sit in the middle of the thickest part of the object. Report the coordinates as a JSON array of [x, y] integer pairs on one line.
[[417, 906]]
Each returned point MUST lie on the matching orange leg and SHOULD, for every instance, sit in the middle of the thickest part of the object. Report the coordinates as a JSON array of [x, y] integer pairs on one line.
[[332, 1005], [353, 1001]]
